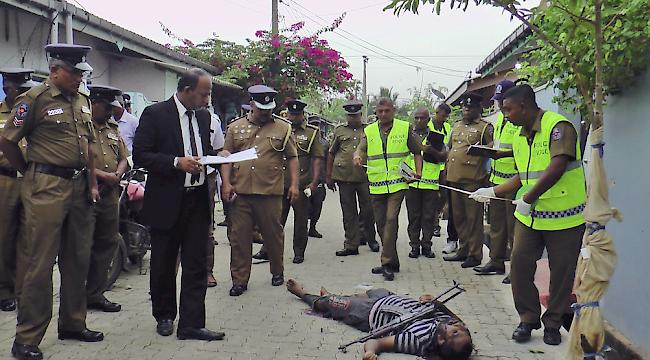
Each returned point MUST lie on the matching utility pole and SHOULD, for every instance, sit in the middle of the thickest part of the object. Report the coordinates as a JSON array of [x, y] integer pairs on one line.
[[363, 91], [274, 17]]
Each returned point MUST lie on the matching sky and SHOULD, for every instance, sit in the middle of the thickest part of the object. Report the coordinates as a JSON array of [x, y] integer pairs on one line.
[[405, 52]]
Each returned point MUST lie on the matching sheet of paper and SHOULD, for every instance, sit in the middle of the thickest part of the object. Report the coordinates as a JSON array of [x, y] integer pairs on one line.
[[250, 154]]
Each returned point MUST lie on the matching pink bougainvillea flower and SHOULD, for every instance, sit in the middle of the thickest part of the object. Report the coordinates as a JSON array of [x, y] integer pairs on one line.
[[323, 42], [305, 42], [260, 33], [318, 62], [297, 26], [325, 73], [275, 42]]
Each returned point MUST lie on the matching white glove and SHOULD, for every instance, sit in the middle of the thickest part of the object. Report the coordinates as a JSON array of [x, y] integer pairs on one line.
[[523, 207], [483, 195]]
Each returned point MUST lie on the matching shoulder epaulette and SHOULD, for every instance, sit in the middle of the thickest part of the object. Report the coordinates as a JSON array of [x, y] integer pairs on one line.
[[313, 126], [36, 91]]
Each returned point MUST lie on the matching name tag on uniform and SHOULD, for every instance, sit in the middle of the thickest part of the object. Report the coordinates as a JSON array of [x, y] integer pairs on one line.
[[2, 125], [301, 137], [53, 112], [112, 136], [85, 109]]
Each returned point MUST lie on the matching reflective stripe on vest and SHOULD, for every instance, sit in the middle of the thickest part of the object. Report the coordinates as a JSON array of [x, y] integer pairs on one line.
[[561, 206], [430, 171], [383, 168], [504, 134]]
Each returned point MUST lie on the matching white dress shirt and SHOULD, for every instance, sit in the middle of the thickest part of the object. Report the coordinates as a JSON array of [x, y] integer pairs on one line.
[[216, 137], [187, 148]]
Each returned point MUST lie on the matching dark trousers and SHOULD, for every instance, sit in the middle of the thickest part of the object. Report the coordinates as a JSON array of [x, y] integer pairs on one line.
[[452, 234], [212, 190], [358, 222], [502, 229], [468, 219], [300, 219], [386, 208], [189, 234], [423, 206]]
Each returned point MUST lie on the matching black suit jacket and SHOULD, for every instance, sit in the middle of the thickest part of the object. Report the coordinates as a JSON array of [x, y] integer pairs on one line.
[[158, 140]]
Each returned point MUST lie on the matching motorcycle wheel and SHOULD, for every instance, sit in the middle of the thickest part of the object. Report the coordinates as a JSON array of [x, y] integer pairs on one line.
[[115, 268]]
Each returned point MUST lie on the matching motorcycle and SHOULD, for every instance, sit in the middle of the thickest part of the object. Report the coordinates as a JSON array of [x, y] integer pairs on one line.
[[134, 238]]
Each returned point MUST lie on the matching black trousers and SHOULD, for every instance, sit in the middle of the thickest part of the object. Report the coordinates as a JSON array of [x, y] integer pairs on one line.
[[316, 205], [452, 234], [189, 236]]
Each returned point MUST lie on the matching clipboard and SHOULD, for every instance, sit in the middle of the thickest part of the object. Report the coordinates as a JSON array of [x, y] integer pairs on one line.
[[437, 141], [481, 150]]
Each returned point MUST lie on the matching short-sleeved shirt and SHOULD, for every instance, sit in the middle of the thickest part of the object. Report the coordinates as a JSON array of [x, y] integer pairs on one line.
[[216, 137], [563, 137], [462, 167], [109, 149], [413, 142], [58, 127], [305, 138], [128, 124], [264, 175], [345, 141], [419, 337]]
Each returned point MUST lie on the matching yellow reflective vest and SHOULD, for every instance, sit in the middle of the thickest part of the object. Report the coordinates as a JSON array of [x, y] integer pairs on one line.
[[561, 206], [383, 166], [504, 133], [430, 171]]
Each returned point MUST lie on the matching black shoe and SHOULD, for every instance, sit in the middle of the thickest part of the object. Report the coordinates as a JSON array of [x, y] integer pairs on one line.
[[315, 234], [506, 280], [490, 269], [165, 327], [84, 335], [427, 252], [199, 334], [455, 257], [470, 262], [523, 330], [277, 280], [8, 305], [105, 306], [26, 352], [377, 270], [374, 246], [436, 231], [388, 274], [223, 223], [347, 252], [261, 255], [237, 290], [567, 321], [415, 252], [552, 336], [298, 259]]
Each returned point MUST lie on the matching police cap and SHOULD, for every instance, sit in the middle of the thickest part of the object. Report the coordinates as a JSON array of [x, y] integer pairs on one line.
[[263, 96], [296, 106], [353, 107], [74, 55], [501, 88], [471, 100], [104, 93]]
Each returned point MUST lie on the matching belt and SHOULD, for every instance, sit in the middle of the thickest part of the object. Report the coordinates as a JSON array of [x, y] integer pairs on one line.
[[62, 172], [8, 173]]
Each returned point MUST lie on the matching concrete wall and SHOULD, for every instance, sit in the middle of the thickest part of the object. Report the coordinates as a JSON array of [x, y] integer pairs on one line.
[[627, 130]]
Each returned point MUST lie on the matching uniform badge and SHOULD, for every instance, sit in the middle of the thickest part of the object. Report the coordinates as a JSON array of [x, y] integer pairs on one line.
[[53, 112], [302, 137], [21, 113], [556, 134], [85, 109], [112, 136]]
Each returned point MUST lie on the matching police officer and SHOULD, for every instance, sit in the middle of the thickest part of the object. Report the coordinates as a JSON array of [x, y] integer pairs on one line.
[[110, 164], [386, 144], [551, 196], [15, 82], [310, 155], [423, 198], [468, 173], [352, 182], [255, 187], [57, 193], [502, 218], [440, 125], [316, 200]]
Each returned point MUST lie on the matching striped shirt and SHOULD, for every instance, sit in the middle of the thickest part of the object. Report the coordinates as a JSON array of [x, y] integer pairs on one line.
[[418, 338]]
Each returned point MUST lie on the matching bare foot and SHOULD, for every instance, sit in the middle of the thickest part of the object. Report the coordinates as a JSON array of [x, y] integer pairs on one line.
[[324, 292], [295, 288]]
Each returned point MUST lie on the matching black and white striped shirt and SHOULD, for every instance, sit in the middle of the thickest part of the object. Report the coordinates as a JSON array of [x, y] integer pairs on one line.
[[418, 338]]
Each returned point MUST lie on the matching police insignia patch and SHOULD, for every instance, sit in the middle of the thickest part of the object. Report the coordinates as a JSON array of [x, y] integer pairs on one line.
[[556, 134], [21, 113]]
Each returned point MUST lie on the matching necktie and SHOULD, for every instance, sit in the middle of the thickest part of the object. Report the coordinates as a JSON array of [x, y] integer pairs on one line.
[[195, 177]]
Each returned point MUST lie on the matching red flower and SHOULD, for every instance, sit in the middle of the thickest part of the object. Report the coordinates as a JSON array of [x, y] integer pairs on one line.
[[260, 33]]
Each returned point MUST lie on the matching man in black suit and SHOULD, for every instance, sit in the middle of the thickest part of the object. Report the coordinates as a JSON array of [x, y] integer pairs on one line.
[[171, 138]]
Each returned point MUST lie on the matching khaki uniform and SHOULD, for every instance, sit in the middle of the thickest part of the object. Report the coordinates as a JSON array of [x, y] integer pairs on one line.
[[305, 137], [352, 181], [259, 186], [386, 207], [468, 173], [563, 247], [109, 150], [423, 207], [59, 131], [11, 217]]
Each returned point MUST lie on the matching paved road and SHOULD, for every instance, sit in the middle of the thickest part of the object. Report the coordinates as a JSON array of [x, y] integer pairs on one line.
[[269, 323]]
